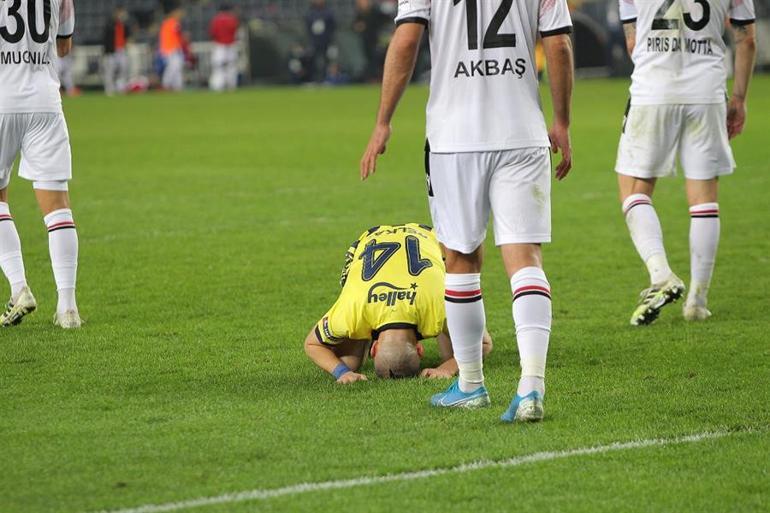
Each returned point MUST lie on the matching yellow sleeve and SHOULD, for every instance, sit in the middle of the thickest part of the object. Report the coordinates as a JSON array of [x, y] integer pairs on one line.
[[341, 323]]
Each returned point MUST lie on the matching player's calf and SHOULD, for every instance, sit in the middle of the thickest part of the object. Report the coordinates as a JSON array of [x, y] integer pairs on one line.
[[63, 246], [704, 241]]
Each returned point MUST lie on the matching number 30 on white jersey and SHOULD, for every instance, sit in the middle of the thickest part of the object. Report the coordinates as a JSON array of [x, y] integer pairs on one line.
[[28, 32]]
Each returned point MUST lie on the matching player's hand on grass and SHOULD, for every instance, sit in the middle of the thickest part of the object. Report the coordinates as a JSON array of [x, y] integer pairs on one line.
[[736, 116], [436, 374], [351, 377], [560, 142], [377, 146]]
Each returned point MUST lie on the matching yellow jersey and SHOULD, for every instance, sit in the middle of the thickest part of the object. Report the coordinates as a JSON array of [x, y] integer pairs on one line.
[[393, 279]]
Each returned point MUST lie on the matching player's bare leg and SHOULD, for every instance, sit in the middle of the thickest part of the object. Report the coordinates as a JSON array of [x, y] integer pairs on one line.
[[54, 202], [466, 322], [647, 235], [532, 316], [22, 301], [702, 197]]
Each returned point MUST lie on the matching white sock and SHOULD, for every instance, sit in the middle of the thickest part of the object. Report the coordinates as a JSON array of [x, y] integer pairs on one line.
[[466, 321], [647, 234], [63, 246], [532, 317], [704, 241], [11, 260]]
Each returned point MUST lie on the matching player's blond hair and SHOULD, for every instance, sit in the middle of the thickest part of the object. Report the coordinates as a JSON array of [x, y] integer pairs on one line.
[[397, 355]]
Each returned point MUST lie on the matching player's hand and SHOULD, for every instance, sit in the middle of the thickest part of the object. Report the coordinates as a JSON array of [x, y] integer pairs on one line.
[[351, 377], [560, 141], [436, 374], [377, 146], [736, 116]]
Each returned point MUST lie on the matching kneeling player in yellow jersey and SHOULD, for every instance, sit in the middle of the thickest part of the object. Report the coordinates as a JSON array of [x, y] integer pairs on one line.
[[392, 298]]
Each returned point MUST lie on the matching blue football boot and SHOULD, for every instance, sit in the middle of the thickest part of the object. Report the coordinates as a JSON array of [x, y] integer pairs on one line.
[[525, 409], [453, 397]]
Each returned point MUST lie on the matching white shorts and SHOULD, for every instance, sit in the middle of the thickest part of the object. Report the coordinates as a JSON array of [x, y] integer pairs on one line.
[[513, 185], [42, 139], [654, 135]]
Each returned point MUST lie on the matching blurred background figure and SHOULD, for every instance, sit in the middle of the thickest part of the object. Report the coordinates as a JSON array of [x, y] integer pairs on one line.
[[116, 35], [291, 42], [64, 67], [321, 25], [172, 49], [224, 56], [369, 22]]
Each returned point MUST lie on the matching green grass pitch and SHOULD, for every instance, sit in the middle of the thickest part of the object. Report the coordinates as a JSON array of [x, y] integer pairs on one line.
[[212, 232]]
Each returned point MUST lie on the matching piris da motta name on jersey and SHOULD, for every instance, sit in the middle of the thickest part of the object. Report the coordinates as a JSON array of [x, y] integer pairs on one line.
[[676, 44], [25, 57]]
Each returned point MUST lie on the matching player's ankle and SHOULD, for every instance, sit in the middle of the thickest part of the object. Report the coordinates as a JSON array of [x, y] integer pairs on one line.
[[17, 288], [658, 267], [529, 384], [67, 302], [471, 376]]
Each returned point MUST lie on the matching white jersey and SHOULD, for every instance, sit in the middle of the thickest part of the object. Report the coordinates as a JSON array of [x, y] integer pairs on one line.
[[28, 32], [484, 89], [679, 56]]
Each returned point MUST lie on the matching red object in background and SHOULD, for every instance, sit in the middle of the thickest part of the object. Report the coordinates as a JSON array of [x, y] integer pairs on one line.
[[120, 36], [224, 28]]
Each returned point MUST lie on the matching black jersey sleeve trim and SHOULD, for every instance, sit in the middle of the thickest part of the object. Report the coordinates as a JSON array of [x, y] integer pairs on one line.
[[396, 326], [742, 23], [557, 32], [412, 19], [68, 36], [629, 20]]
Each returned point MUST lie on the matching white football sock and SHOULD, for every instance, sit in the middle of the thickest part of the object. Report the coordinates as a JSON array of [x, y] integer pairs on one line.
[[647, 234], [11, 260], [704, 241], [63, 246], [532, 317], [466, 322]]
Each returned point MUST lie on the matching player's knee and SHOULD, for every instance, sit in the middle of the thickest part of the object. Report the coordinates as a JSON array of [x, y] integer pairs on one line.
[[52, 196], [462, 263], [702, 191]]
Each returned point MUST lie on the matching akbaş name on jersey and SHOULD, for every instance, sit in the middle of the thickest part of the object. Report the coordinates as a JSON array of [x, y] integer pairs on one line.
[[384, 292], [491, 68]]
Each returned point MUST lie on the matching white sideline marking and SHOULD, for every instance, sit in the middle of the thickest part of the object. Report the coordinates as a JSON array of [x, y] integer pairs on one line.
[[263, 494]]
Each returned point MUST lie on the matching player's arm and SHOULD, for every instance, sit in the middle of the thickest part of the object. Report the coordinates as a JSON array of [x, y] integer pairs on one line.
[[744, 35], [325, 358], [629, 29], [448, 367], [63, 46], [628, 15], [399, 66], [558, 52], [66, 28]]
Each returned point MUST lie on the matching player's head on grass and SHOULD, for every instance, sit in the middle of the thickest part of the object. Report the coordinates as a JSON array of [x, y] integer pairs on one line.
[[397, 354]]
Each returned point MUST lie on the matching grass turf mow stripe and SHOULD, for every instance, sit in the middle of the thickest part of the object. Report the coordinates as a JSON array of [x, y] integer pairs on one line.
[[264, 494]]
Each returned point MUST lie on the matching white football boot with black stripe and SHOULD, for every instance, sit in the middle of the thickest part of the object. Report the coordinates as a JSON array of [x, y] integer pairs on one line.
[[18, 308], [653, 299]]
